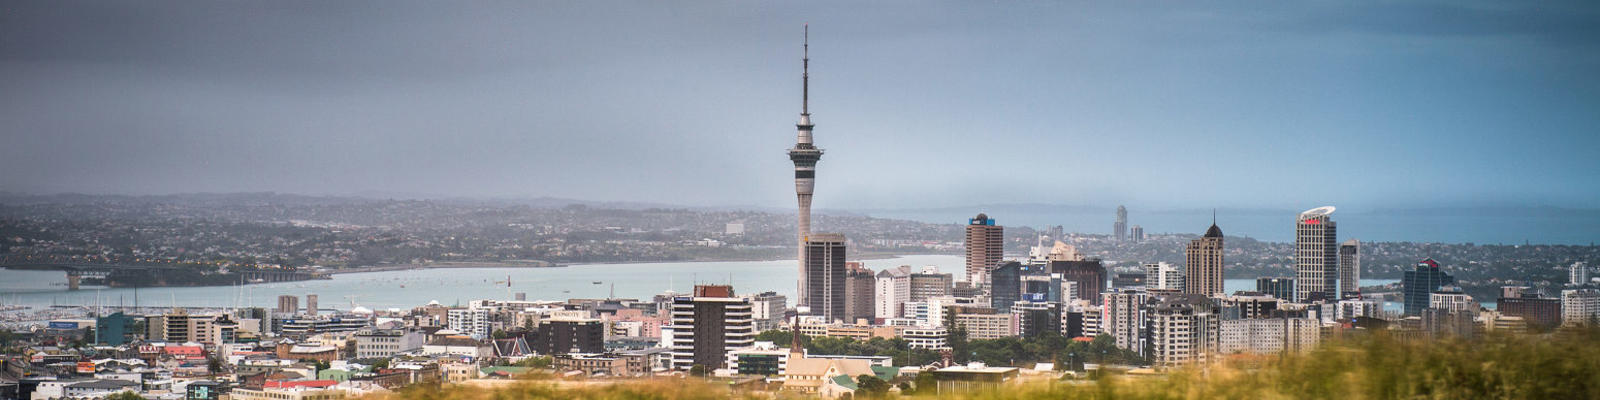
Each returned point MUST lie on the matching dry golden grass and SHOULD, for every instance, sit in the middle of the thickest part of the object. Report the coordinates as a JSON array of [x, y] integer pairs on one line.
[[1563, 366]]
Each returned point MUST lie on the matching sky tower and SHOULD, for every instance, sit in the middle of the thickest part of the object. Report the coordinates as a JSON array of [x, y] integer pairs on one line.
[[804, 154]]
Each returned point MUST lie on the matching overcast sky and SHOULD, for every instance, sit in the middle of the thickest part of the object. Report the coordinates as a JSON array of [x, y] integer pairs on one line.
[[919, 104]]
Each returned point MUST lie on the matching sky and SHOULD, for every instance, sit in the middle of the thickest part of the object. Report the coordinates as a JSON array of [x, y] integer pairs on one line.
[[918, 104]]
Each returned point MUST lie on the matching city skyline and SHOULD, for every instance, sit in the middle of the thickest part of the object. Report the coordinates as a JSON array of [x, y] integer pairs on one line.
[[553, 109]]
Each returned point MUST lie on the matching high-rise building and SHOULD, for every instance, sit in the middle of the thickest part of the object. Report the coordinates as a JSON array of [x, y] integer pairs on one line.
[[858, 289], [767, 309], [1127, 280], [985, 247], [179, 326], [1350, 268], [288, 304], [566, 334], [1005, 286], [1281, 288], [805, 155], [1578, 274], [473, 322], [1419, 283], [706, 326], [311, 305], [1036, 319], [1121, 226], [1247, 305], [1123, 318], [1163, 276], [1269, 335], [1580, 307], [825, 276], [1184, 329], [929, 283], [1138, 233], [1539, 313], [1451, 298], [893, 287], [1316, 254], [1088, 274], [1203, 271]]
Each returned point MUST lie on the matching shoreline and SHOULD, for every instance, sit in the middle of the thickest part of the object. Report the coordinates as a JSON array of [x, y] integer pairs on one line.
[[511, 265]]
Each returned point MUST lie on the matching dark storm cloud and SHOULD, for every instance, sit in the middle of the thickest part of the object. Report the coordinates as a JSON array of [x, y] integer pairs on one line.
[[918, 103]]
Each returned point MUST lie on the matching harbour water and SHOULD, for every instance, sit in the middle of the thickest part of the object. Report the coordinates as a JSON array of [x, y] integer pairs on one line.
[[411, 288]]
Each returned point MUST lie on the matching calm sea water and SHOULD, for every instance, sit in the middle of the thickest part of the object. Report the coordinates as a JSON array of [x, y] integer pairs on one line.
[[410, 288]]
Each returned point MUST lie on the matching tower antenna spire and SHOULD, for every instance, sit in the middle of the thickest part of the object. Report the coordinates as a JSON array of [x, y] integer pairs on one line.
[[1213, 215], [805, 70]]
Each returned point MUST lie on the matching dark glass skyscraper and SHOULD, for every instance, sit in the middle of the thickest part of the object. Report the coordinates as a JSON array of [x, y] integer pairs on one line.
[[1006, 286], [1281, 288], [1418, 283], [825, 276]]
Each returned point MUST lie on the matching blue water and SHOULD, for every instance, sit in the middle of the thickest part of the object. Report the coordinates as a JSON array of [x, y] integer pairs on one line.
[[410, 288]]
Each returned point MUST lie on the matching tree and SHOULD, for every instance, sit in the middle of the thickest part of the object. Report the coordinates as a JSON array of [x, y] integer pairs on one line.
[[126, 395], [871, 386], [957, 341], [537, 362], [697, 370], [380, 363], [925, 383], [499, 334]]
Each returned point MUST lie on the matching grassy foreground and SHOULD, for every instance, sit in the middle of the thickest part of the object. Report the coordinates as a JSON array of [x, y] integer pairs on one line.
[[1561, 366]]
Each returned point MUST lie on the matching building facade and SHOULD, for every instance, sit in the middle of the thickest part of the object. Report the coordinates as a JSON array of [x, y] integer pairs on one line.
[[1419, 283], [1166, 277], [825, 276], [1203, 268], [1316, 254], [707, 325], [1281, 288], [985, 246], [1350, 268], [1005, 286], [891, 289], [859, 285]]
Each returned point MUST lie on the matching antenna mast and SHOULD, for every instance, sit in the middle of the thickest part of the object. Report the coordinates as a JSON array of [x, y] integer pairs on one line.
[[805, 71]]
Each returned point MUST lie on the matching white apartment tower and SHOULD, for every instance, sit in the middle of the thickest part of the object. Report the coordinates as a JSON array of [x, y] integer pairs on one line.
[[1316, 254]]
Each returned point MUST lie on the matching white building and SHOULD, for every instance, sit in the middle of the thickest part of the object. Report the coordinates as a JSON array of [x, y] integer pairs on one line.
[[1163, 276], [986, 326], [891, 289], [1183, 330], [937, 308], [1351, 308], [473, 322], [1451, 301], [766, 310], [933, 338], [1122, 317], [457, 346], [1269, 335], [1579, 274], [385, 343], [1580, 306], [762, 351]]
